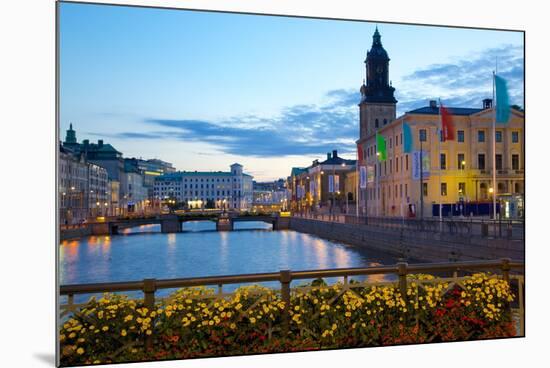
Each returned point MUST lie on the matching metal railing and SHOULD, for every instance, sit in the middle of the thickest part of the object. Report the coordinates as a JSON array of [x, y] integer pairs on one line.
[[150, 286], [488, 228]]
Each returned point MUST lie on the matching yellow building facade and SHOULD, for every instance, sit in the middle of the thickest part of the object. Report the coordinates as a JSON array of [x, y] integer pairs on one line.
[[456, 172]]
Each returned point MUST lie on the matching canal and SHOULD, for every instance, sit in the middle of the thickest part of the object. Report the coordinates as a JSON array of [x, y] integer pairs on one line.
[[199, 250]]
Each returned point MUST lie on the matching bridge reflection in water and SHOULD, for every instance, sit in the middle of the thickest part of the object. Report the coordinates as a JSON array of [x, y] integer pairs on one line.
[[201, 251]]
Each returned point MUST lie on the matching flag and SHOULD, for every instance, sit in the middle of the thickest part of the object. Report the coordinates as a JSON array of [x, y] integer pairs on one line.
[[502, 102], [447, 125], [407, 138], [380, 147], [359, 153]]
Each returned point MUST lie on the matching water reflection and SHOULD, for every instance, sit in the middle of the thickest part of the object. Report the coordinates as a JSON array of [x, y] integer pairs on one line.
[[205, 253]]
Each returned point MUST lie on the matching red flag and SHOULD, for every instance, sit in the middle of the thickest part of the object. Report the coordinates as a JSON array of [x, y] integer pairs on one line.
[[359, 153], [447, 125]]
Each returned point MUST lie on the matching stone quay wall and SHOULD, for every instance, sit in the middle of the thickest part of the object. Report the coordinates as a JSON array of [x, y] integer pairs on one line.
[[410, 244]]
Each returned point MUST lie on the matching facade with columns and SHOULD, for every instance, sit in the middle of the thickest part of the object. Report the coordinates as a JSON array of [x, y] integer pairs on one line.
[[457, 174]]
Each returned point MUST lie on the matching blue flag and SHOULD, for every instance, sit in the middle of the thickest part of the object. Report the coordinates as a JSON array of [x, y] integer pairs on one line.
[[407, 138], [502, 103]]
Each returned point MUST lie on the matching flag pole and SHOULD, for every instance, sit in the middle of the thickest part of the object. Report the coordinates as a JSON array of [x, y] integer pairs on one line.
[[357, 184], [494, 152], [441, 133]]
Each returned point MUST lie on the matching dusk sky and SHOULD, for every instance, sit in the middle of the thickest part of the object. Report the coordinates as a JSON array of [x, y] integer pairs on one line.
[[204, 90]]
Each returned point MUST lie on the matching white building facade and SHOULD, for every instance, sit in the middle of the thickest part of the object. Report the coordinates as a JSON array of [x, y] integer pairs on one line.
[[207, 189]]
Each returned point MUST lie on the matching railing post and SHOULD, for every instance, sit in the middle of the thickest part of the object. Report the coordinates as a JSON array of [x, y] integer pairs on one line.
[[149, 288], [402, 273], [285, 278], [506, 269]]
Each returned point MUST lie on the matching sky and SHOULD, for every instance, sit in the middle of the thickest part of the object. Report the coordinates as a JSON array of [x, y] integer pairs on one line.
[[203, 90]]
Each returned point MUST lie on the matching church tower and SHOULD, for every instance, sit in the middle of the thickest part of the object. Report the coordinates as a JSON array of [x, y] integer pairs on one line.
[[377, 106], [70, 137]]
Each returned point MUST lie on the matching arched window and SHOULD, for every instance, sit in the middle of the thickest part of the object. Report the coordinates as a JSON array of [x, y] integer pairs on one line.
[[385, 121], [376, 123], [483, 190]]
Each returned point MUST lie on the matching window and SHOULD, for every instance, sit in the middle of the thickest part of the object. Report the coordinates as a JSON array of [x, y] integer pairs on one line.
[[515, 137], [461, 162], [406, 190], [515, 162], [425, 189], [390, 142], [401, 190], [422, 135], [385, 121], [517, 188], [401, 138], [390, 165], [397, 164], [443, 189], [376, 123], [396, 141], [481, 161], [462, 189], [395, 191], [481, 136], [407, 162], [498, 161], [443, 161], [498, 136], [501, 187], [460, 136]]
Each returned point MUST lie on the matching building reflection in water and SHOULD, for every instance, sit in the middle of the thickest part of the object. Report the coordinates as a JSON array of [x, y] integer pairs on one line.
[[204, 253]]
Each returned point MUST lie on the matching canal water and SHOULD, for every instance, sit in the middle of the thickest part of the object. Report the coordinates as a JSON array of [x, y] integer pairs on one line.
[[199, 250]]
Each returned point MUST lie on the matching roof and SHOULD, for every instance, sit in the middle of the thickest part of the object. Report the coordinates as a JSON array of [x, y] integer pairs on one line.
[[338, 161], [428, 110], [297, 171]]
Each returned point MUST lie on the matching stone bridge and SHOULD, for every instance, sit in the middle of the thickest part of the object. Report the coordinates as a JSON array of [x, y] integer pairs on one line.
[[173, 223]]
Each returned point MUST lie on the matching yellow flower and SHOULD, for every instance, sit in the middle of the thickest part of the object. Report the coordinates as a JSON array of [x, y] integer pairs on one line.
[[252, 320], [80, 351], [105, 328], [233, 326], [123, 333]]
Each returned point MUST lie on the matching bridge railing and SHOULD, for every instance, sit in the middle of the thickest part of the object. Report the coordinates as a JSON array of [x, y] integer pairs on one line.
[[509, 270]]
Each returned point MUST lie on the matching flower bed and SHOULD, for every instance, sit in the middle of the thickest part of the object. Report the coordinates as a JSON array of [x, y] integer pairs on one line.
[[193, 322]]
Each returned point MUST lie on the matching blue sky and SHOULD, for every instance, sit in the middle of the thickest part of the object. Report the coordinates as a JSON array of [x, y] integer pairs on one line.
[[203, 90]]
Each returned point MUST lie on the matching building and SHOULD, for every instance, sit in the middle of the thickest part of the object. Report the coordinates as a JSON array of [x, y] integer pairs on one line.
[[134, 194], [207, 189], [150, 169], [456, 174], [270, 196], [322, 185], [73, 187], [83, 188], [109, 159]]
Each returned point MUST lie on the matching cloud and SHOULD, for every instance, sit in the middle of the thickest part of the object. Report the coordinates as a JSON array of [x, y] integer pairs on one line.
[[333, 124], [465, 81]]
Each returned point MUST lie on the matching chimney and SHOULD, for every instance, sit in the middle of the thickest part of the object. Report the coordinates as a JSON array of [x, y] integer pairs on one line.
[[433, 104], [487, 103], [328, 155], [334, 153], [85, 142], [100, 143]]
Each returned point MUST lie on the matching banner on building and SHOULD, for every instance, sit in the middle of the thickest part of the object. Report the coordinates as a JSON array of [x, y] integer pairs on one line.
[[331, 183], [370, 174], [362, 177], [416, 165], [312, 187], [337, 183]]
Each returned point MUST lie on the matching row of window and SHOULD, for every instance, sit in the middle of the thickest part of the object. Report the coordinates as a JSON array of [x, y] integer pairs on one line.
[[190, 192], [461, 189], [460, 136]]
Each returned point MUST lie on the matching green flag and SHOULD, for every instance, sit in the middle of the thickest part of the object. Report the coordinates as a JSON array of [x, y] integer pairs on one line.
[[380, 147], [502, 103], [407, 138]]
